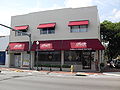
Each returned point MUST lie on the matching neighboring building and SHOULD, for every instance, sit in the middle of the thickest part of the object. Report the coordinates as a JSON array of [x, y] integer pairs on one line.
[[4, 41], [69, 36]]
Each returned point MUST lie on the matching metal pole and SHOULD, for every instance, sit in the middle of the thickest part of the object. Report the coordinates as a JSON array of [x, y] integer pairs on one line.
[[37, 43], [30, 66], [37, 59]]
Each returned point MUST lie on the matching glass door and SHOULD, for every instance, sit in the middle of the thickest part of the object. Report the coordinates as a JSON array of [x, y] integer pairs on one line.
[[86, 59], [17, 59]]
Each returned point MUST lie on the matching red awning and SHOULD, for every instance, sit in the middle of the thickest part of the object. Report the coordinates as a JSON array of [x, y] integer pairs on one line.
[[18, 46], [21, 27], [76, 23], [82, 44], [47, 45], [48, 25]]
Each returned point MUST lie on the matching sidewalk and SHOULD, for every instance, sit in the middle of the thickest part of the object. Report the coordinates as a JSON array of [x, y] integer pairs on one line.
[[112, 73], [52, 72], [42, 72]]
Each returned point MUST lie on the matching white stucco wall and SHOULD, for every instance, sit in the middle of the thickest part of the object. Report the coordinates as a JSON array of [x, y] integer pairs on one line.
[[61, 17], [4, 43]]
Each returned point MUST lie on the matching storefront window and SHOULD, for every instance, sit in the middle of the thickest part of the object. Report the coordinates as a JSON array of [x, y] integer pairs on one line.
[[48, 57], [76, 57], [73, 56]]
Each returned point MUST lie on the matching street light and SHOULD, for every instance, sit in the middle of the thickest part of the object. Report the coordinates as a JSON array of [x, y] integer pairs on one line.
[[28, 34], [37, 43]]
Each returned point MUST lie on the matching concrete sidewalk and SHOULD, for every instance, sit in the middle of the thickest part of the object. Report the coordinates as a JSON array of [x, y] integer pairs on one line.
[[112, 73], [52, 72], [42, 72]]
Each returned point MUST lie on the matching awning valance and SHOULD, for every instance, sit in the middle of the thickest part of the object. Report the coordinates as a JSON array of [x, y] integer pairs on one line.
[[48, 25], [47, 45], [76, 23], [25, 27], [18, 46], [82, 44]]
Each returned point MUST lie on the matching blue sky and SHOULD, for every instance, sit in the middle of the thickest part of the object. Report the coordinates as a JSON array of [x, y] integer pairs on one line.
[[108, 9]]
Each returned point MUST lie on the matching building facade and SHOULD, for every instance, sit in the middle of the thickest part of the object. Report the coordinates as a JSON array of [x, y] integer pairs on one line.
[[68, 36], [3, 54]]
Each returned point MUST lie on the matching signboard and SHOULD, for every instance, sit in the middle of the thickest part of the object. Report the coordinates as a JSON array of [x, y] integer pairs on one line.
[[26, 60]]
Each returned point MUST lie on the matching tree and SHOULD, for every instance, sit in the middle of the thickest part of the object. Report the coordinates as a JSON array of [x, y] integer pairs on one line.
[[110, 32]]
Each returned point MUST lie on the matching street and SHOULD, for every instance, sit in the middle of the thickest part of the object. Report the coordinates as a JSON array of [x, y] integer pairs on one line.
[[29, 81]]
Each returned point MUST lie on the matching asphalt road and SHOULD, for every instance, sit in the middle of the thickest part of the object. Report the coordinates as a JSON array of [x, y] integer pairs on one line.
[[44, 82]]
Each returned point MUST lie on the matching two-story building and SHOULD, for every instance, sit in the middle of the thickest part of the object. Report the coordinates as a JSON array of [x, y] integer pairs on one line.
[[69, 36]]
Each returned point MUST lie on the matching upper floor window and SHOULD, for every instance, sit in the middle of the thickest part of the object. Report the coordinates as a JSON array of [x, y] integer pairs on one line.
[[20, 33], [82, 28], [22, 29], [48, 28], [47, 31], [78, 26]]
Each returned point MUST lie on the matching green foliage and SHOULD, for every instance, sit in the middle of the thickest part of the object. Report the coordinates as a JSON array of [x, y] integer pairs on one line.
[[110, 32]]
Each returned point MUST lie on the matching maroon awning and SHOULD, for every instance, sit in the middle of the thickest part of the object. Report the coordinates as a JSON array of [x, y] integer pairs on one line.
[[76, 23], [18, 46], [47, 45], [48, 25], [25, 27], [82, 44]]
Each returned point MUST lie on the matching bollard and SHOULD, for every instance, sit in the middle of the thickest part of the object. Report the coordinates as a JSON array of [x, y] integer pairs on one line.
[[72, 68]]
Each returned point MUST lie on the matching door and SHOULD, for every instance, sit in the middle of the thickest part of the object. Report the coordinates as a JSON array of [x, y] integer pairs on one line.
[[2, 58], [86, 60], [17, 59]]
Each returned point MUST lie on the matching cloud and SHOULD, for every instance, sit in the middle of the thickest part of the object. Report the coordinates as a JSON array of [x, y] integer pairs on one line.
[[108, 9], [115, 15], [77, 3], [36, 9]]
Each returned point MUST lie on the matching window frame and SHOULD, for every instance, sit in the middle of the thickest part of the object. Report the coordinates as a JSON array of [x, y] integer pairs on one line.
[[20, 34], [48, 30], [79, 29]]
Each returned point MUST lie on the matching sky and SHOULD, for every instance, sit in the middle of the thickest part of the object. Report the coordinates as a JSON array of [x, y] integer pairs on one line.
[[107, 9]]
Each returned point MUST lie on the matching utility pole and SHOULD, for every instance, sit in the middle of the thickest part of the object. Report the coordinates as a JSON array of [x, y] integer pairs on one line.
[[28, 34]]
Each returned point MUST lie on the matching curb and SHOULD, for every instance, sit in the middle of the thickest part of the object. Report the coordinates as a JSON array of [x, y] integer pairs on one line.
[[61, 73], [81, 74], [110, 74]]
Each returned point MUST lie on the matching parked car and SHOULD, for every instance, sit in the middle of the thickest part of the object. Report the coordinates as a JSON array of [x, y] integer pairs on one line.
[[117, 63]]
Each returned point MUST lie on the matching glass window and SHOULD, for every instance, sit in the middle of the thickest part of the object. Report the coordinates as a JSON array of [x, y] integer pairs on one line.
[[82, 28], [51, 30], [49, 56], [75, 29], [20, 34], [43, 31], [76, 57], [47, 31], [73, 56]]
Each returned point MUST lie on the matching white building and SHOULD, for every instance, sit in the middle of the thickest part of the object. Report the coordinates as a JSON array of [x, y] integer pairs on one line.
[[69, 36]]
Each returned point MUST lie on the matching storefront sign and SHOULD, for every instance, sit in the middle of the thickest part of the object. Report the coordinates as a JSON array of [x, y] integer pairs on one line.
[[26, 60], [78, 45], [81, 44], [18, 46], [46, 46]]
